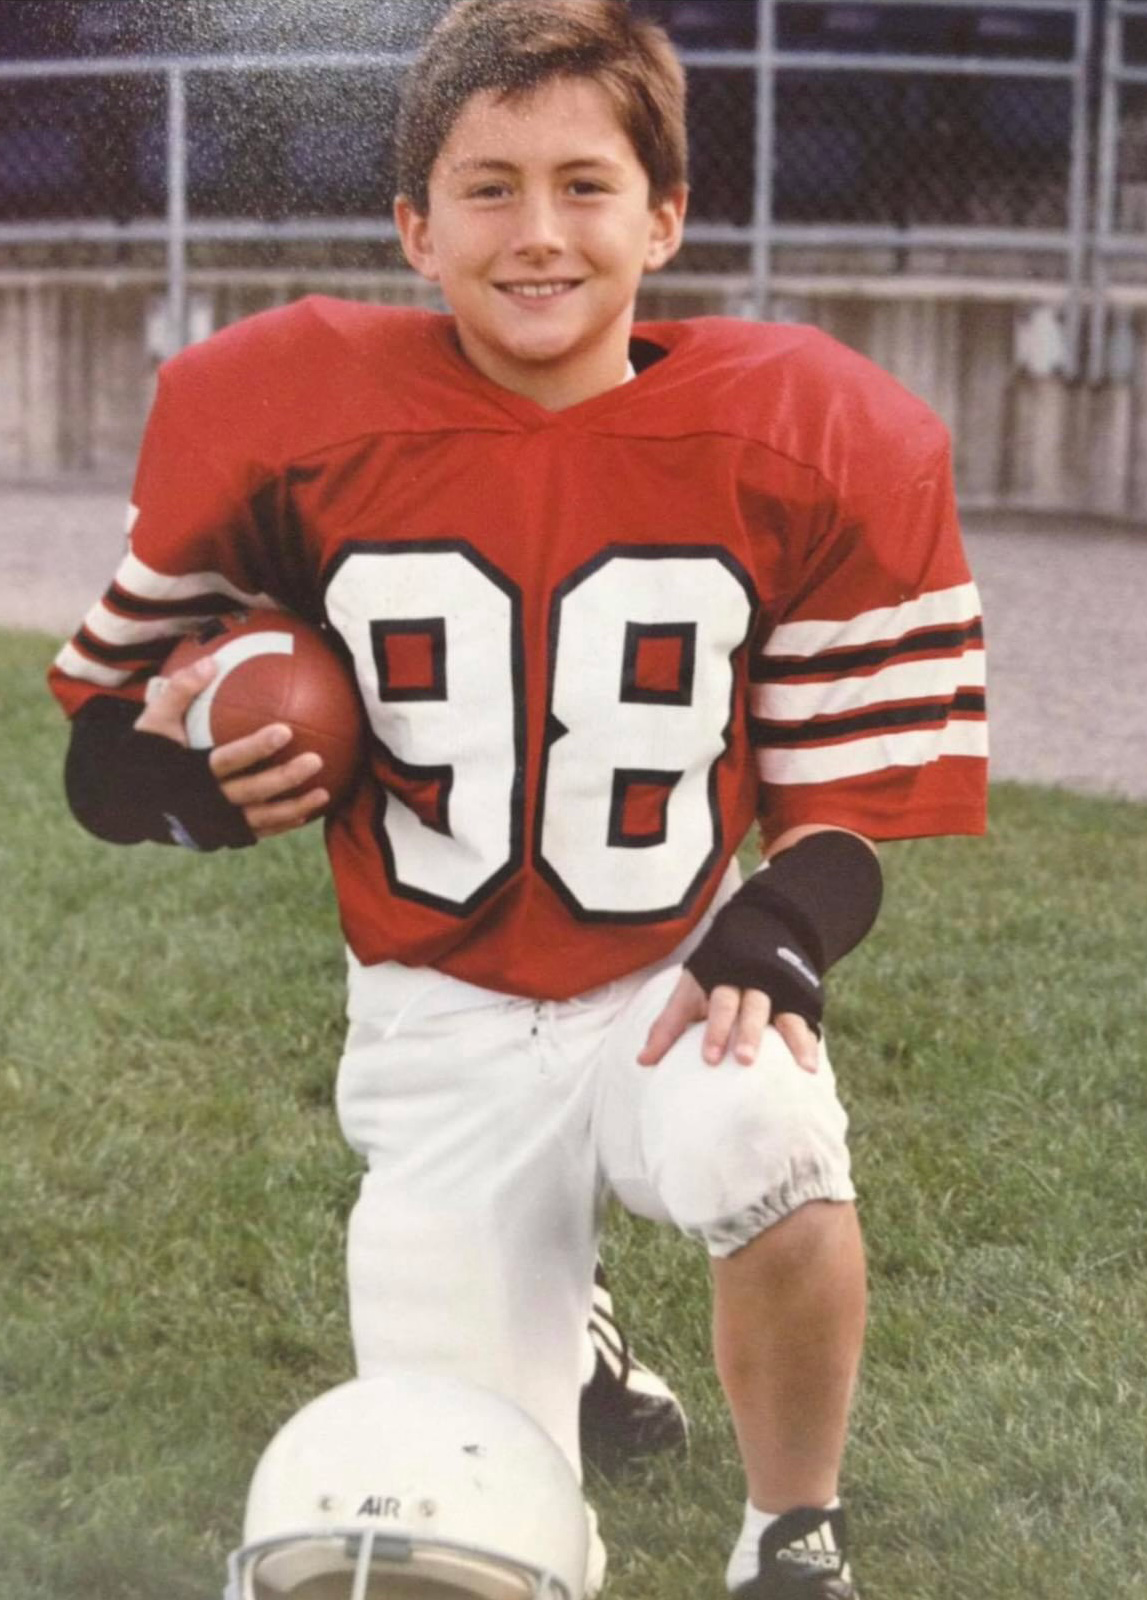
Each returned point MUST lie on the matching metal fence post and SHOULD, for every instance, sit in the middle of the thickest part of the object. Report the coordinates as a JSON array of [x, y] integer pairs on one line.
[[1114, 73], [176, 210], [1077, 218], [763, 177]]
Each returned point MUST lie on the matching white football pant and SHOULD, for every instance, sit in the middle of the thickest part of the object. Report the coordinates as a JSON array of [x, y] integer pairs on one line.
[[495, 1128]]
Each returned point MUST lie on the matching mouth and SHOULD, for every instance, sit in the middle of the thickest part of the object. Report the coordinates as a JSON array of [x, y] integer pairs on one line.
[[552, 289]]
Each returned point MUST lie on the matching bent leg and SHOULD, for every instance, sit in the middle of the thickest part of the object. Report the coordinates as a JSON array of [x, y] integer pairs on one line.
[[752, 1160]]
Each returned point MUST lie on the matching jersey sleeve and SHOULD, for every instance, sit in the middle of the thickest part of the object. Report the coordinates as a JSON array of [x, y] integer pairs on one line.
[[867, 706], [197, 547]]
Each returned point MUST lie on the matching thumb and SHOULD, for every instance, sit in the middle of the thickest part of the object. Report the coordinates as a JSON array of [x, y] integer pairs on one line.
[[166, 709]]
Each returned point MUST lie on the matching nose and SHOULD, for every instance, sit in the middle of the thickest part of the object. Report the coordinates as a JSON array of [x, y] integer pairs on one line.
[[539, 232]]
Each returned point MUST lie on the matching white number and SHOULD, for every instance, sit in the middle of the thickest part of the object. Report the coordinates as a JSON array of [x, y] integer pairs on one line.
[[641, 706], [460, 731], [665, 740]]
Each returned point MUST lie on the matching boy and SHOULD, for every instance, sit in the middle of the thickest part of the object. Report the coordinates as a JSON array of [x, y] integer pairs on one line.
[[611, 594]]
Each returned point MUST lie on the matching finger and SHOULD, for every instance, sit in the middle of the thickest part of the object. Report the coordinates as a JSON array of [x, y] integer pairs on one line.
[[275, 783], [166, 709], [752, 1020], [724, 1006], [685, 1006], [240, 754], [801, 1040], [283, 816]]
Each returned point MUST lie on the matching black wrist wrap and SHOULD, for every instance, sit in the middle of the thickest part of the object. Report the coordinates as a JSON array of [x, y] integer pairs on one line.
[[791, 921], [126, 787]]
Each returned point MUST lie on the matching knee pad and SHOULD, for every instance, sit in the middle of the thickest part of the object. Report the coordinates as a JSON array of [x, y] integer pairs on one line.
[[734, 1149]]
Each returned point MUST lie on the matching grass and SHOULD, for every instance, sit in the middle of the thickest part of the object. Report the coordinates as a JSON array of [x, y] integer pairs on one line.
[[173, 1193]]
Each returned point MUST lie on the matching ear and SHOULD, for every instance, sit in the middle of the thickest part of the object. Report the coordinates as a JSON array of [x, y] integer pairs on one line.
[[667, 230], [417, 239]]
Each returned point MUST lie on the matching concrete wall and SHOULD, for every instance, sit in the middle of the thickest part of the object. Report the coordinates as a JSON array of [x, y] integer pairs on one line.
[[78, 356]]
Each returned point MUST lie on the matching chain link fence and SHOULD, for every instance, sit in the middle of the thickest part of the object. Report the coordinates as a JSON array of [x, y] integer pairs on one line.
[[71, 148], [826, 135], [933, 151], [261, 145], [851, 145]]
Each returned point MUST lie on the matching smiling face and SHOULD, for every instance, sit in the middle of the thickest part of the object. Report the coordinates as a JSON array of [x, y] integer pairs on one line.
[[539, 228]]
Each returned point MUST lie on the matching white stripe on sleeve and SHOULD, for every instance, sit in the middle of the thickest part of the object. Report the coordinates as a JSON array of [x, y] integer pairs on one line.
[[110, 628], [74, 665], [915, 747], [931, 679], [137, 578], [960, 604]]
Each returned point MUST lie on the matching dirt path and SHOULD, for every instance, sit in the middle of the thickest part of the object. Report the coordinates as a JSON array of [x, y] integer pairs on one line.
[[1066, 616]]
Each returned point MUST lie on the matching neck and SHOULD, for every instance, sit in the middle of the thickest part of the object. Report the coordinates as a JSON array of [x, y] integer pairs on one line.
[[556, 385]]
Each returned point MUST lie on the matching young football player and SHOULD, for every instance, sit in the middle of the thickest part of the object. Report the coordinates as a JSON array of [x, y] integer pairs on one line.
[[614, 593]]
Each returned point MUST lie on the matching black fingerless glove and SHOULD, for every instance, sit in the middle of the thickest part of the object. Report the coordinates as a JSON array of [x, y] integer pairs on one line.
[[791, 921], [126, 787]]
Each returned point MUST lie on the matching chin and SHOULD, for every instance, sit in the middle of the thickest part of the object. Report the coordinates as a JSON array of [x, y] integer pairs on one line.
[[541, 352]]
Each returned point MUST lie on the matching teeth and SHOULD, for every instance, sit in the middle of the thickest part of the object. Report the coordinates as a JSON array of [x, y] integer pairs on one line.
[[538, 291]]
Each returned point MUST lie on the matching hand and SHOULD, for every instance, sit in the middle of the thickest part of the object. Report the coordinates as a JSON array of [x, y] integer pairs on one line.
[[736, 1016], [265, 797]]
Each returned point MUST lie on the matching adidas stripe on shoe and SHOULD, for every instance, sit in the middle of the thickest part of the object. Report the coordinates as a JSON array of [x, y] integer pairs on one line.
[[803, 1556], [627, 1411]]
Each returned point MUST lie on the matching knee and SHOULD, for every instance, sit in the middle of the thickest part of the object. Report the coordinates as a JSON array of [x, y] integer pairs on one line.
[[742, 1148]]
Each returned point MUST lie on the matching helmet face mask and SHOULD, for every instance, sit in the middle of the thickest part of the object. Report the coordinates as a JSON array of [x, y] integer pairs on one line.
[[347, 1564], [410, 1486]]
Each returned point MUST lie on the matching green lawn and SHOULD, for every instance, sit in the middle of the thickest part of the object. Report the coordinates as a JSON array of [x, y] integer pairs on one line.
[[173, 1193]]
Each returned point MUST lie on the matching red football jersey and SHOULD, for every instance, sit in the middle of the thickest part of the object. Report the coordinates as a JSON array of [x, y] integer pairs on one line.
[[592, 644]]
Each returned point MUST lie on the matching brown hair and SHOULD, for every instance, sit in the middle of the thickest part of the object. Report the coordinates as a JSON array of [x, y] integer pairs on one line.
[[511, 47]]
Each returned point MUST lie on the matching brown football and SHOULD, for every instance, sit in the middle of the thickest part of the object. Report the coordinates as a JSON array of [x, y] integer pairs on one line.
[[276, 668]]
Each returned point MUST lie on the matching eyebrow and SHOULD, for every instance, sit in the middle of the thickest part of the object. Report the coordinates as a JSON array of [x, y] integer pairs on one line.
[[490, 164]]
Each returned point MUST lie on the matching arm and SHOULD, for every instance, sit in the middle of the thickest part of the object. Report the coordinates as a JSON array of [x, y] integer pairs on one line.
[[866, 708], [204, 540]]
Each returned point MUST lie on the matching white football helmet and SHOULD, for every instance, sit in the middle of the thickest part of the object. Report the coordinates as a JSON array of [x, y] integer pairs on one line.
[[410, 1486]]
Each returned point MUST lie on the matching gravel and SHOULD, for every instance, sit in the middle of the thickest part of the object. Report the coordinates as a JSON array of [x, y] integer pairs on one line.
[[1065, 617], [1065, 612]]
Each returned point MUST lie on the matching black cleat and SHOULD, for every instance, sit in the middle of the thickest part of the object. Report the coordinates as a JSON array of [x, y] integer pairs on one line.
[[803, 1557], [627, 1411]]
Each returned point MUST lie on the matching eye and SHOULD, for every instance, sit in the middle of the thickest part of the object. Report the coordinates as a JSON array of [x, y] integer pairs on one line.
[[488, 191], [587, 186]]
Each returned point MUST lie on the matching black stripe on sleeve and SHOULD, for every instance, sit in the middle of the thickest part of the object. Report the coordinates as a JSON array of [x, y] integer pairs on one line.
[[115, 655], [823, 730], [931, 641], [200, 605]]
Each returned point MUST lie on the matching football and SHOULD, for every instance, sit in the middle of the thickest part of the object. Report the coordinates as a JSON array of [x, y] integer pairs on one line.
[[276, 668]]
